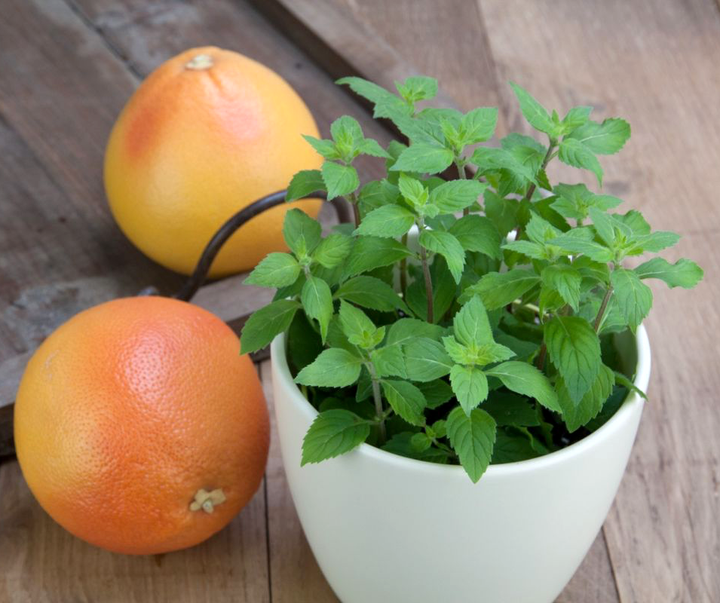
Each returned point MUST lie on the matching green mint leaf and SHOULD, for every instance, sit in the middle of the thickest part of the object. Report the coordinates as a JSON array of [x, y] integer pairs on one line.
[[472, 437], [522, 349], [378, 193], [334, 367], [420, 442], [389, 361], [479, 125], [576, 117], [325, 148], [417, 88], [471, 324], [635, 221], [304, 183], [473, 355], [456, 195], [386, 103], [535, 114], [525, 379], [633, 297], [540, 231], [498, 289], [276, 270], [356, 326], [317, 302], [603, 138], [267, 323], [604, 225], [426, 360], [388, 221], [413, 190], [532, 250], [577, 414], [400, 444], [477, 233], [332, 433], [622, 380], [493, 159], [405, 399], [575, 153], [447, 246], [369, 253], [683, 273], [580, 241], [340, 180], [373, 148], [574, 200], [436, 393], [470, 386], [458, 352], [566, 280], [347, 134], [657, 241], [512, 446], [574, 348], [511, 409], [423, 158], [501, 212], [370, 292], [302, 234], [420, 130], [332, 250], [407, 329], [514, 140]]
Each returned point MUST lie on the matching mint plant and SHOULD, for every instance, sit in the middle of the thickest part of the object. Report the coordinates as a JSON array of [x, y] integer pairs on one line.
[[487, 335]]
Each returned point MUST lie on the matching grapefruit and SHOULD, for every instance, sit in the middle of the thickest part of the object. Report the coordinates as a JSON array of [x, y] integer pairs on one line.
[[139, 427], [206, 134]]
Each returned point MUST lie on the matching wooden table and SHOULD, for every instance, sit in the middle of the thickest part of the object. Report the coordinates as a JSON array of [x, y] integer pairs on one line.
[[67, 67]]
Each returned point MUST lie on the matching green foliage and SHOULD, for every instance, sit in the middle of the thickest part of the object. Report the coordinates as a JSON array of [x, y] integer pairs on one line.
[[333, 432], [525, 289]]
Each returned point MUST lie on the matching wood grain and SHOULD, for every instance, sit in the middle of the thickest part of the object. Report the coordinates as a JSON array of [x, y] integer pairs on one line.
[[294, 574], [654, 63], [60, 250], [42, 563]]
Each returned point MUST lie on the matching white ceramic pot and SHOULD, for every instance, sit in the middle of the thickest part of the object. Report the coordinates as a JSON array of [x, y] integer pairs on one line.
[[387, 529]]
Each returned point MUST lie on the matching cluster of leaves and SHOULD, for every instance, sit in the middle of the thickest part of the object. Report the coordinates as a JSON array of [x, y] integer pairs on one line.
[[488, 336]]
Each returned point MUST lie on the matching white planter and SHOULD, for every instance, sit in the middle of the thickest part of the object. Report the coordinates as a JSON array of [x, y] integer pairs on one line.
[[386, 529]]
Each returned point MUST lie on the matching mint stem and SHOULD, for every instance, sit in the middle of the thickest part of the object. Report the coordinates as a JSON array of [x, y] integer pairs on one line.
[[428, 278], [541, 357], [603, 308], [378, 401], [531, 191], [403, 269], [462, 176], [353, 198]]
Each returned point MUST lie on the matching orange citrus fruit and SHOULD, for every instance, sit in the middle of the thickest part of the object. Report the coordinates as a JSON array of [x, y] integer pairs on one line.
[[207, 133], [139, 427]]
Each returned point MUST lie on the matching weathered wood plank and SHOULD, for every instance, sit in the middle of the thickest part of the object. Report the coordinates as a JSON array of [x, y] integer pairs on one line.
[[43, 563], [663, 534], [447, 40], [147, 36], [594, 581], [294, 573]]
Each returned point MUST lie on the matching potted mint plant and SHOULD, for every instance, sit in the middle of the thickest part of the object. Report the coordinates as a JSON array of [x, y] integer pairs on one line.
[[459, 374]]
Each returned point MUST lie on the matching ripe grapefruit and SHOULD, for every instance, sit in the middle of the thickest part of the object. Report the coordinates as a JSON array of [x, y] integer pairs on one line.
[[139, 427], [207, 133]]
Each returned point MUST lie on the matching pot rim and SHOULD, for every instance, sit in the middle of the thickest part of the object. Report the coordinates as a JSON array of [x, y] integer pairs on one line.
[[642, 377]]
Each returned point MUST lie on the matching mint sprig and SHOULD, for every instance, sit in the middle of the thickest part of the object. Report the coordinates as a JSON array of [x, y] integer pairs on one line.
[[461, 320]]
